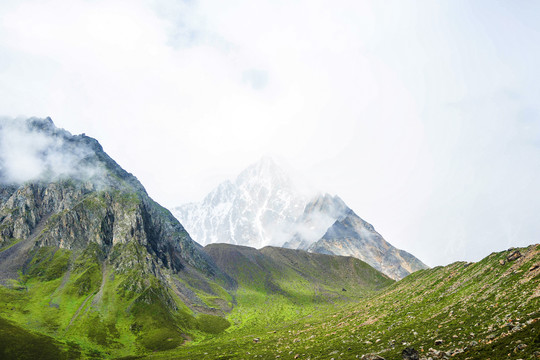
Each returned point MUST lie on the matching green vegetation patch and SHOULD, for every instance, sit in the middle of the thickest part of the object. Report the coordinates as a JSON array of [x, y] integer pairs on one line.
[[212, 324], [21, 344], [8, 243], [48, 263]]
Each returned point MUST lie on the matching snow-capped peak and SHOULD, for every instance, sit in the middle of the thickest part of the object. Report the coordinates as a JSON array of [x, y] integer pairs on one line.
[[256, 209]]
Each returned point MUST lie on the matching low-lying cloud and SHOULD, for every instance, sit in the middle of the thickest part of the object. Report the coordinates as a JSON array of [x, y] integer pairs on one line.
[[35, 150]]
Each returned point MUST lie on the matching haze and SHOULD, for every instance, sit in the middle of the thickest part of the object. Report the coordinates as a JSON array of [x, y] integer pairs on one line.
[[422, 116]]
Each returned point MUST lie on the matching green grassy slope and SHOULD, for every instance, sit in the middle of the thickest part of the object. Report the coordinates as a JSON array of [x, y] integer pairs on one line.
[[72, 296], [78, 297], [106, 299], [484, 310], [19, 343], [275, 285]]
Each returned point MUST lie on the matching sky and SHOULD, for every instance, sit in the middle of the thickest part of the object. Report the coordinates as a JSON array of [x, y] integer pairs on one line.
[[423, 116]]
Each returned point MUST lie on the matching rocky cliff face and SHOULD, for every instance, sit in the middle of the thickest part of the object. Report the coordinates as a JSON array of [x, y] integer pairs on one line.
[[108, 208]]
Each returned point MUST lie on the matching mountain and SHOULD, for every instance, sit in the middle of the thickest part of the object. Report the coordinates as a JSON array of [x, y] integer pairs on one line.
[[256, 209], [352, 236], [319, 214], [329, 226], [92, 268], [279, 269], [484, 310], [263, 207], [86, 254]]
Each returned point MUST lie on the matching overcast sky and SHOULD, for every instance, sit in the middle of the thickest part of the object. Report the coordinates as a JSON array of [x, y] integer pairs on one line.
[[424, 116]]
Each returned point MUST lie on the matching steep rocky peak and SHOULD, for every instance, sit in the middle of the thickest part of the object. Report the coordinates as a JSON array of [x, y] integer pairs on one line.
[[84, 198], [35, 150], [255, 209], [264, 172]]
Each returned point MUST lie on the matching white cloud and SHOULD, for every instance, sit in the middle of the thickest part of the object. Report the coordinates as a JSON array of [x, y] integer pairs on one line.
[[29, 153], [354, 94]]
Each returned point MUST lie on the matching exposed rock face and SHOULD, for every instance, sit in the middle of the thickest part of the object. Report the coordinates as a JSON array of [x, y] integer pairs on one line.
[[410, 354], [352, 236], [514, 255], [109, 208], [257, 209]]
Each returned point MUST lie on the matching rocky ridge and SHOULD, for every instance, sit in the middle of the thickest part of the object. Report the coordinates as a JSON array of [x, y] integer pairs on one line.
[[109, 208]]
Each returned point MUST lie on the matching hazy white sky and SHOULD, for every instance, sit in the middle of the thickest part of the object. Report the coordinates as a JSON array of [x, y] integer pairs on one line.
[[424, 116]]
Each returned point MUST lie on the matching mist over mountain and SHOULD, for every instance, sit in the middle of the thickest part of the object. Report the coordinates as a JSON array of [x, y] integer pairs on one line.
[[85, 235], [319, 214], [257, 209], [264, 207]]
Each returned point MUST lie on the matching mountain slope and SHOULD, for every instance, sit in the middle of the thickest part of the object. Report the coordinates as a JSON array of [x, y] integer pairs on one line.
[[353, 236], [86, 255], [255, 210], [273, 266], [278, 285], [484, 310], [329, 226]]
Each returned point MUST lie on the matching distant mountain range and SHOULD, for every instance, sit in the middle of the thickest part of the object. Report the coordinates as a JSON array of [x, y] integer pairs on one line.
[[262, 206]]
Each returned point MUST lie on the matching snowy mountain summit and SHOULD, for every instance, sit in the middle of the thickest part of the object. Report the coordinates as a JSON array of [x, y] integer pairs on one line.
[[262, 206], [256, 209]]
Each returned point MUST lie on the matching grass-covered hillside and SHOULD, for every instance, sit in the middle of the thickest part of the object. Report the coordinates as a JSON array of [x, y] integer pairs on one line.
[[484, 310], [85, 303], [275, 285]]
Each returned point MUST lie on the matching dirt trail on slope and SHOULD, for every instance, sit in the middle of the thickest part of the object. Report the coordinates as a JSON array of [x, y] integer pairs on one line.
[[99, 294], [78, 311]]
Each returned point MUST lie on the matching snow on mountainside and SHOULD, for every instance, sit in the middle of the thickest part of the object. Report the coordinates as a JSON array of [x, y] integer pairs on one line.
[[262, 207], [257, 209]]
